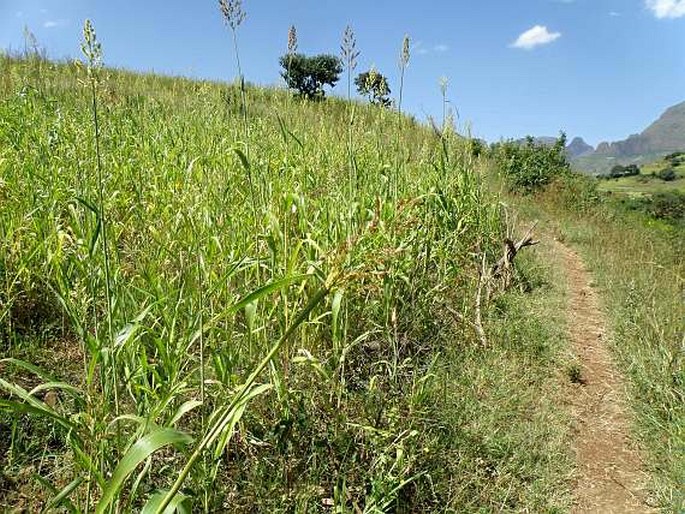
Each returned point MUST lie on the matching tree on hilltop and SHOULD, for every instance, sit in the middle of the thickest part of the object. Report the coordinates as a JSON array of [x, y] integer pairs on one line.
[[309, 75]]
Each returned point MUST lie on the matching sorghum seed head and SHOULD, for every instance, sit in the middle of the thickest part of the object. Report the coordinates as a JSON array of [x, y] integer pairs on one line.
[[292, 40], [405, 55], [233, 13]]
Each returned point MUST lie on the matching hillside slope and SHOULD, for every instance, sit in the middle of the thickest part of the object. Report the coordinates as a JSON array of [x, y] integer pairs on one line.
[[279, 306]]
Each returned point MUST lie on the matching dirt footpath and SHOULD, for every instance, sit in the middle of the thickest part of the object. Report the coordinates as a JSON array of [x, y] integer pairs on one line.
[[609, 477]]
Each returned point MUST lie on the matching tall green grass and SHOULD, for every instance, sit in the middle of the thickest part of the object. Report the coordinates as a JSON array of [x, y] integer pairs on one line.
[[280, 341]]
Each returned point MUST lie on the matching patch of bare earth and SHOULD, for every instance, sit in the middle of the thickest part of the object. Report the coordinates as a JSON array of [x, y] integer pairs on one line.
[[609, 474]]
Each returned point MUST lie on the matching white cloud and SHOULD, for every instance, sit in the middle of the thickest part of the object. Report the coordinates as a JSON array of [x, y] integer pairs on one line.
[[441, 48], [51, 24], [614, 14], [667, 8], [537, 36]]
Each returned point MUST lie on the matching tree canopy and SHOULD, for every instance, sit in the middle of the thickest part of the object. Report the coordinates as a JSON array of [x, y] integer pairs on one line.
[[309, 75]]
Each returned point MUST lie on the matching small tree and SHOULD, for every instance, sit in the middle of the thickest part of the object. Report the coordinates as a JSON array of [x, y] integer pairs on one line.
[[531, 166], [617, 171], [309, 75], [667, 174], [375, 86]]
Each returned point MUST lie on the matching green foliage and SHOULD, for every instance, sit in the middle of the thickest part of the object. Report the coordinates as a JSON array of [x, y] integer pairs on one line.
[[624, 171], [223, 328], [375, 86], [667, 174], [675, 159], [479, 147], [668, 206], [576, 191], [530, 166], [309, 75]]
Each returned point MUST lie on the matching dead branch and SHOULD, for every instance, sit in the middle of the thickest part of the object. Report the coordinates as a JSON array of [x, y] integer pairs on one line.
[[504, 266], [501, 269]]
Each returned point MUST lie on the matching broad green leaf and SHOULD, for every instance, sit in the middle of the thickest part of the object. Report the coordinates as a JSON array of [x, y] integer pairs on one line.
[[183, 410], [61, 498], [30, 367], [62, 386], [179, 504], [140, 451], [269, 288], [227, 425], [32, 405]]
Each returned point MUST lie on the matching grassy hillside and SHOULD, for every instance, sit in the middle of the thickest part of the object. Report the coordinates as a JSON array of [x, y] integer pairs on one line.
[[272, 317], [598, 164], [648, 182]]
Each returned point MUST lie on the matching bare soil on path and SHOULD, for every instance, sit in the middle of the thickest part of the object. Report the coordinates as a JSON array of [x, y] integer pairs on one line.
[[609, 475]]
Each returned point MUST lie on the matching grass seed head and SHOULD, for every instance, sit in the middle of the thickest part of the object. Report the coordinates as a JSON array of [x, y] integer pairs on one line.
[[348, 49], [292, 40], [444, 83], [91, 49], [406, 51], [30, 41], [233, 13], [371, 78]]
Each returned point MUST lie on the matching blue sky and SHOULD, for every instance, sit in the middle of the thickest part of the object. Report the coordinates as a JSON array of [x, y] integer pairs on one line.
[[601, 69]]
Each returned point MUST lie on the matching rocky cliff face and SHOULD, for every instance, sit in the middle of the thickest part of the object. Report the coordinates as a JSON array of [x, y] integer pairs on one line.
[[578, 148], [667, 134]]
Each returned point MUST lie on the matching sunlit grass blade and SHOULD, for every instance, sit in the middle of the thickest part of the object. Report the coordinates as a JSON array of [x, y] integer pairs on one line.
[[34, 406], [179, 504], [61, 498], [139, 452]]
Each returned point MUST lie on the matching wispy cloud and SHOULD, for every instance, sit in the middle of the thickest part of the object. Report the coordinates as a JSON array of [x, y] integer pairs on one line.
[[51, 24], [667, 8], [537, 36], [614, 14], [419, 48]]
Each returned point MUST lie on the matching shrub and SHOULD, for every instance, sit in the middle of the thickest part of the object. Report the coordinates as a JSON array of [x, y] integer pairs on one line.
[[530, 166], [309, 75], [668, 206], [667, 174], [676, 158], [575, 192], [624, 171], [478, 147]]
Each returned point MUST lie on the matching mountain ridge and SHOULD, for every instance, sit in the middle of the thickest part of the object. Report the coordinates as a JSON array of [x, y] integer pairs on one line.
[[663, 136]]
